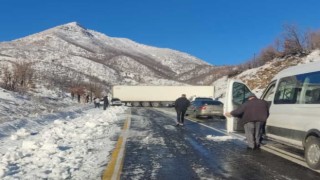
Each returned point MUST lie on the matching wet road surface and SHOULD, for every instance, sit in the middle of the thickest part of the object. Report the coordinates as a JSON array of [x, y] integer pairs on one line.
[[156, 149]]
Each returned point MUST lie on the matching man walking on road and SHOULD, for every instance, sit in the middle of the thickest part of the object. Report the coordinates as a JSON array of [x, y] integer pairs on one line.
[[105, 102], [253, 114], [181, 105]]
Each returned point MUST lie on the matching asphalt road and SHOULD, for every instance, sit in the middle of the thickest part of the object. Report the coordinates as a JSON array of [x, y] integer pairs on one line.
[[157, 149]]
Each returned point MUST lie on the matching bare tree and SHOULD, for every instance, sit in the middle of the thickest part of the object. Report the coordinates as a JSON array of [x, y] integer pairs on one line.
[[277, 45], [314, 40], [294, 41], [267, 54], [23, 73], [97, 90], [17, 76], [78, 91], [8, 78]]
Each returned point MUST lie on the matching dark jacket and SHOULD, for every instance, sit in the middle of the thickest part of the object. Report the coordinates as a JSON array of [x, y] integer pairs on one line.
[[106, 101], [181, 104], [252, 111]]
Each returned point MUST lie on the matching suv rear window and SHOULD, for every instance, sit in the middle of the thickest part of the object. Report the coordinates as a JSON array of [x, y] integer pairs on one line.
[[211, 103], [201, 99]]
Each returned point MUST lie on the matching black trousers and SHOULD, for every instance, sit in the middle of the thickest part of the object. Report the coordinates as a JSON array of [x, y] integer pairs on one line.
[[180, 115]]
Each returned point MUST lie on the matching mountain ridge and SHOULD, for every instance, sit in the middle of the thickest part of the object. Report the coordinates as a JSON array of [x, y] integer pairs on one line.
[[122, 56]]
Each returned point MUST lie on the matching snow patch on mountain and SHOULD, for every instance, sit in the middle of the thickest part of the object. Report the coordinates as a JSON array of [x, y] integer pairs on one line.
[[110, 59]]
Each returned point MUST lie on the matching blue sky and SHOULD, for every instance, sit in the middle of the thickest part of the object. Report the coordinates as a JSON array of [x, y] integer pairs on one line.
[[221, 32]]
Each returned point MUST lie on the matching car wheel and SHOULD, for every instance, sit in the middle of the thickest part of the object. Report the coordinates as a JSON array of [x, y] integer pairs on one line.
[[312, 152]]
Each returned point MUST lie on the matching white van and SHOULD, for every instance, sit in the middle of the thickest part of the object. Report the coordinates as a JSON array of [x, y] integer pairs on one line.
[[294, 98]]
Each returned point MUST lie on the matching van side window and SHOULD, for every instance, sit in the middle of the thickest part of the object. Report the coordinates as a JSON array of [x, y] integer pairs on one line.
[[270, 92], [299, 89], [268, 95], [240, 93], [288, 91], [311, 88]]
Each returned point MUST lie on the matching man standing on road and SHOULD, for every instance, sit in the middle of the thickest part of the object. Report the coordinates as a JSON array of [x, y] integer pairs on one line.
[[181, 105], [253, 114], [105, 102]]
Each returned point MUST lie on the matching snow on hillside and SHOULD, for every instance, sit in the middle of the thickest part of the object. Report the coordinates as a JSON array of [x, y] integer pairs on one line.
[[109, 58], [165, 56], [312, 57], [260, 77], [14, 106]]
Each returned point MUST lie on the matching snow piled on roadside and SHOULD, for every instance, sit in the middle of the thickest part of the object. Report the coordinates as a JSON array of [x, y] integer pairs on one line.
[[64, 149], [4, 95], [219, 138]]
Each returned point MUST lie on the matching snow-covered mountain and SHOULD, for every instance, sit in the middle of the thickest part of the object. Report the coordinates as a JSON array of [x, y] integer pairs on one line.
[[71, 48]]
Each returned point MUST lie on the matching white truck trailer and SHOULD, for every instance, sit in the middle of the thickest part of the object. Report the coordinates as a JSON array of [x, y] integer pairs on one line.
[[158, 95]]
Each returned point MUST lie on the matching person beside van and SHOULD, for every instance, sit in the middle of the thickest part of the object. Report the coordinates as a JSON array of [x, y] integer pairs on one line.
[[253, 114], [181, 105]]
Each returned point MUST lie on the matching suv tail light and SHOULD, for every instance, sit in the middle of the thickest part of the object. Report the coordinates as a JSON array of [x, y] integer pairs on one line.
[[202, 107]]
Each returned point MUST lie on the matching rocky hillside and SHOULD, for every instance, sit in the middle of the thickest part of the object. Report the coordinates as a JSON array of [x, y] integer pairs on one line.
[[264, 74], [71, 51], [258, 78]]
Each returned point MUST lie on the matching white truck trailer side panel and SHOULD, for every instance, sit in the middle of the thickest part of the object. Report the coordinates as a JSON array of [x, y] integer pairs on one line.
[[160, 93]]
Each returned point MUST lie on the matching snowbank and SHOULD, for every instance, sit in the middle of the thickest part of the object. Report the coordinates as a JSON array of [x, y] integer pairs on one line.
[[63, 149], [219, 138]]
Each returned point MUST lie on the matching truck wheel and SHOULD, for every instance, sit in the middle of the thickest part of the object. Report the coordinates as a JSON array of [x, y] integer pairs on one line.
[[155, 104], [312, 152], [145, 104], [136, 104]]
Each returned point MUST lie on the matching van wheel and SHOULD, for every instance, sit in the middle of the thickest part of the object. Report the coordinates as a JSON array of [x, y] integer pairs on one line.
[[312, 152]]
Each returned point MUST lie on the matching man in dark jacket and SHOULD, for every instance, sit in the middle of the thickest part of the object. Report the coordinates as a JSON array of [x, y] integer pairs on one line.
[[181, 105], [253, 114], [105, 102]]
